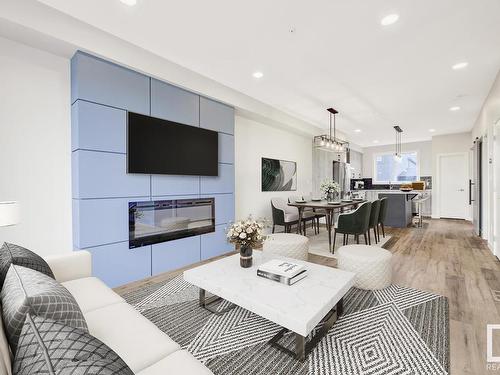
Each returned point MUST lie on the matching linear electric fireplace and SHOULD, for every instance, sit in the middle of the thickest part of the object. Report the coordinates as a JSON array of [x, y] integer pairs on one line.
[[159, 221]]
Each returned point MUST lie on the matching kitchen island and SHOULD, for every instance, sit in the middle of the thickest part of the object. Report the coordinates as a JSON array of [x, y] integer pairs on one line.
[[399, 207]]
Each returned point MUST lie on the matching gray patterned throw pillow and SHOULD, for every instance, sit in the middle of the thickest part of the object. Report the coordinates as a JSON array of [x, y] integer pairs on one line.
[[18, 255], [50, 347], [28, 291]]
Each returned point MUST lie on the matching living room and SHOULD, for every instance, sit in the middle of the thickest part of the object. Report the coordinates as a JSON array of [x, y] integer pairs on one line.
[[133, 157]]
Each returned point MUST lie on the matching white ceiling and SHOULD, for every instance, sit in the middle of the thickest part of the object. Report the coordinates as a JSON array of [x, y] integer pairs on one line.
[[338, 55]]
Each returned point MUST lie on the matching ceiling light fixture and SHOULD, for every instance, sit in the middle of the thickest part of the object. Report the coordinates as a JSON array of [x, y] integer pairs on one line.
[[455, 108], [397, 154], [357, 131], [375, 141], [432, 130], [460, 65], [389, 19], [258, 74], [129, 2], [330, 142]]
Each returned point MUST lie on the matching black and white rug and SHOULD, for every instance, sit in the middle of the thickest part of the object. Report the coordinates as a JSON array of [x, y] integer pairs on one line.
[[397, 330]]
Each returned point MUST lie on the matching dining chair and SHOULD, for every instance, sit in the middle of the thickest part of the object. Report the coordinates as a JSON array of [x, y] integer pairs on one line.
[[307, 214], [283, 214], [373, 223], [382, 214], [319, 213], [355, 222]]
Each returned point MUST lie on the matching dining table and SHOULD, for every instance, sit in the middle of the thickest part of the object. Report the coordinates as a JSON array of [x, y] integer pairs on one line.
[[329, 208]]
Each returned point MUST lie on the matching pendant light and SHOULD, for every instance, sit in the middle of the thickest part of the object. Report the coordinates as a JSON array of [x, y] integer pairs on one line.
[[330, 142], [398, 148]]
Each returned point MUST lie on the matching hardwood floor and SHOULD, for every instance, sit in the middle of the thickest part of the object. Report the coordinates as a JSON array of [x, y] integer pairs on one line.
[[443, 257]]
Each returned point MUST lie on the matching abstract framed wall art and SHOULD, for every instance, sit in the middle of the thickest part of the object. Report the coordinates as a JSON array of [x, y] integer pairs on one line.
[[279, 175]]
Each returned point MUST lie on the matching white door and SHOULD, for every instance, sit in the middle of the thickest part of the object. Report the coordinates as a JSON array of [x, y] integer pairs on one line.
[[496, 188], [453, 179]]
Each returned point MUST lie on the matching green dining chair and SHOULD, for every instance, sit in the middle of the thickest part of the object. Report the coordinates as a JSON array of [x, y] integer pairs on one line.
[[355, 222]]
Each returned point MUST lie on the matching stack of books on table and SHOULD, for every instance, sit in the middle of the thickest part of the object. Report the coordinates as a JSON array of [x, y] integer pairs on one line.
[[283, 271]]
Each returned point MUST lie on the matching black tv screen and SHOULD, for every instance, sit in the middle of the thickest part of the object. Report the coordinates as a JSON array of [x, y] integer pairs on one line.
[[156, 146]]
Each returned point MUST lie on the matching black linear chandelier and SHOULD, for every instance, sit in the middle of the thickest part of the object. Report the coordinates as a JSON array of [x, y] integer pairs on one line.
[[397, 154], [330, 142]]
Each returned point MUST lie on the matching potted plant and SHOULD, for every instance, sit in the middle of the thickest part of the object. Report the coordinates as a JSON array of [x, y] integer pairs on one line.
[[330, 189], [247, 234]]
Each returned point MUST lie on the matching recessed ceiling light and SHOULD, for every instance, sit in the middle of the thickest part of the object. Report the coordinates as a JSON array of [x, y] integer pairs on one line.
[[358, 130], [375, 141], [389, 19], [129, 2], [258, 74], [432, 130], [455, 108], [460, 65]]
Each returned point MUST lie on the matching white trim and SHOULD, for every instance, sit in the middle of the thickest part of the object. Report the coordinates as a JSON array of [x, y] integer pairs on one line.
[[437, 182], [374, 173]]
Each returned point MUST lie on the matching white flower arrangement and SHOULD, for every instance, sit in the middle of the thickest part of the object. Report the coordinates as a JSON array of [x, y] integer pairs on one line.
[[328, 187], [246, 232]]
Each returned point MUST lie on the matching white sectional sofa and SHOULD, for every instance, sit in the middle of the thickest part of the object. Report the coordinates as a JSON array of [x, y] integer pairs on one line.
[[144, 347]]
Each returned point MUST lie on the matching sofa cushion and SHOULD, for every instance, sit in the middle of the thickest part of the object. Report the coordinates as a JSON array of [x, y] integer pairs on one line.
[[28, 291], [91, 293], [179, 362], [134, 338], [18, 255], [50, 347]]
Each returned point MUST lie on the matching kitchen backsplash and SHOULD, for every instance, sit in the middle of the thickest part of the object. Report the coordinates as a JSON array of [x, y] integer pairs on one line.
[[369, 186]]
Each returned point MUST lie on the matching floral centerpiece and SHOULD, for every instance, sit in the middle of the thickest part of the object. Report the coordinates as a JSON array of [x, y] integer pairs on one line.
[[329, 188], [247, 234]]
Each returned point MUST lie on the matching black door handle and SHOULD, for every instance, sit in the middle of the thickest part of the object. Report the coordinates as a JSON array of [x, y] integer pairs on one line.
[[470, 192]]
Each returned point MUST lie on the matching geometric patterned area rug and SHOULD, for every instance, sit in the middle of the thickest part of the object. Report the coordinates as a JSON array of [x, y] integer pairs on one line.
[[393, 331]]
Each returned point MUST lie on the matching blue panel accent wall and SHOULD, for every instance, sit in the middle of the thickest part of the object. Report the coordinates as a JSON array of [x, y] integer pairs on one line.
[[215, 244], [99, 81], [116, 264], [174, 104], [104, 128], [102, 93], [171, 255], [216, 116]]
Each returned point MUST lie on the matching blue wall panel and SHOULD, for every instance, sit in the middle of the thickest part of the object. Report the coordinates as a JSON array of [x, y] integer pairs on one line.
[[216, 116], [104, 175], [174, 104], [103, 221], [102, 82], [98, 127], [116, 264], [215, 244], [102, 92], [226, 148], [174, 185], [172, 255], [223, 183]]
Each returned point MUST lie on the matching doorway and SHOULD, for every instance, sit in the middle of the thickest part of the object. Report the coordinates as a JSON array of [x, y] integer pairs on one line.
[[476, 186], [453, 175]]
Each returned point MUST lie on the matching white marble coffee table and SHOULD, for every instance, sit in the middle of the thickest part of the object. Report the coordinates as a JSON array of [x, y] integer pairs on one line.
[[298, 308]]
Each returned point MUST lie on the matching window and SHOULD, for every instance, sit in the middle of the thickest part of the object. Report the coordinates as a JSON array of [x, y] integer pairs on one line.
[[388, 169]]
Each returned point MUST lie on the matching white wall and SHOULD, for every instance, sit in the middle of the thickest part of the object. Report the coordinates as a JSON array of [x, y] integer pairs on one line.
[[424, 150], [35, 151], [254, 140], [483, 127], [447, 144]]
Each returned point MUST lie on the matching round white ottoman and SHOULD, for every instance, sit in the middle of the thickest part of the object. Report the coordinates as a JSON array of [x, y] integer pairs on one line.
[[371, 264], [285, 245]]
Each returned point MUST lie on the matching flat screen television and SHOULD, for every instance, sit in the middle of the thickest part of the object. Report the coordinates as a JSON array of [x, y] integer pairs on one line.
[[156, 146]]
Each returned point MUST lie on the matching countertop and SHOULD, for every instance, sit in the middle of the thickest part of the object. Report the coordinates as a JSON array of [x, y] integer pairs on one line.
[[394, 191]]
